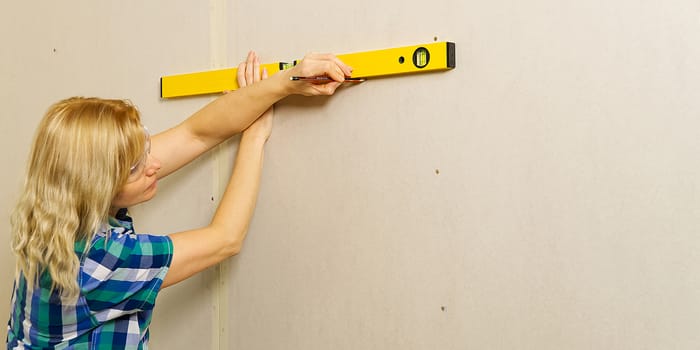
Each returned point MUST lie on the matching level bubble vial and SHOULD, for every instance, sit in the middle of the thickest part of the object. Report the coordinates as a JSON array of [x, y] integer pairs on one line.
[[421, 57]]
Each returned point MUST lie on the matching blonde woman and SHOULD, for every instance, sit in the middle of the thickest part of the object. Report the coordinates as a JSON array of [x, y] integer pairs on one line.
[[85, 279]]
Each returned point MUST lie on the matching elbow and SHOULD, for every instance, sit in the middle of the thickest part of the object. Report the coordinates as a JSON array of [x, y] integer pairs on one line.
[[233, 244], [233, 248], [230, 238]]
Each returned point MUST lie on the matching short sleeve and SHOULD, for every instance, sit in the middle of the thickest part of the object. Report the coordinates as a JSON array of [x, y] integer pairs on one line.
[[123, 271]]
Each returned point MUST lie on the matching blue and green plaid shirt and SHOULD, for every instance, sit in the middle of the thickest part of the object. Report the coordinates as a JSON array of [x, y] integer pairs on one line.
[[120, 276]]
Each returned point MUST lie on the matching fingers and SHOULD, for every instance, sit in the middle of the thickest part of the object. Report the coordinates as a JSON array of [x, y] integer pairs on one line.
[[339, 65], [334, 67], [240, 75], [347, 70], [329, 88], [256, 69], [313, 65], [249, 67], [334, 71], [249, 71]]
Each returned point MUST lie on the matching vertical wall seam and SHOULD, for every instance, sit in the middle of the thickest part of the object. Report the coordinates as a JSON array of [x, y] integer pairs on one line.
[[217, 59]]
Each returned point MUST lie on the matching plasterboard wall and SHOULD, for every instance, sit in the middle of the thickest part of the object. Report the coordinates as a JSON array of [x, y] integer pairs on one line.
[[540, 196], [118, 50], [543, 195]]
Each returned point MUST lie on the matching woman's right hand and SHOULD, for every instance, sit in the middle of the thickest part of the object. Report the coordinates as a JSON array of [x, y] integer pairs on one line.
[[317, 65], [248, 74]]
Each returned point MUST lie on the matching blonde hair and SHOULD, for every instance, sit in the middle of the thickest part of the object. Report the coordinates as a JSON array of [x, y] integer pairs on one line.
[[81, 157]]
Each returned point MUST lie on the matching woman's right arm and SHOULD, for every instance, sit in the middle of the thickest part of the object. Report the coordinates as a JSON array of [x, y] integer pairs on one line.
[[196, 250]]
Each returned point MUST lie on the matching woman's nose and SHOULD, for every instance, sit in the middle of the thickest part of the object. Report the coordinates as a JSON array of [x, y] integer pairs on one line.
[[153, 165]]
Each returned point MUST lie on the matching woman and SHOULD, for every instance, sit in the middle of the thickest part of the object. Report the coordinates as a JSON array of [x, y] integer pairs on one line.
[[85, 279]]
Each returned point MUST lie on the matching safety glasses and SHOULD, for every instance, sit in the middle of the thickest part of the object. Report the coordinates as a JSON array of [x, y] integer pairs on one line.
[[137, 169]]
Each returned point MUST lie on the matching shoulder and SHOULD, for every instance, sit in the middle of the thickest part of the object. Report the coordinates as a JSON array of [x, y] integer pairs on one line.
[[122, 272], [117, 243], [128, 249], [122, 255]]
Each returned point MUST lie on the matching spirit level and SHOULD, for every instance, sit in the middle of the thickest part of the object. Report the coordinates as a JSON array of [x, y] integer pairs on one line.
[[400, 60]]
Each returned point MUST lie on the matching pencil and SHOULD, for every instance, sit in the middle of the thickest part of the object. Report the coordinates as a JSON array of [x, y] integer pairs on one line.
[[323, 79]]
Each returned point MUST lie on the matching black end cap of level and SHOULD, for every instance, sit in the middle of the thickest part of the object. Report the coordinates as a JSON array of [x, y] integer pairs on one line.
[[451, 61]]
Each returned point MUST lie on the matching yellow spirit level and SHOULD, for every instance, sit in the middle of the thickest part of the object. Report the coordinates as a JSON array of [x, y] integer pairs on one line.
[[400, 60]]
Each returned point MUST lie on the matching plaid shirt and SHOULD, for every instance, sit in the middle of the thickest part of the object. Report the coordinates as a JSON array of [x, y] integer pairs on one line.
[[120, 277]]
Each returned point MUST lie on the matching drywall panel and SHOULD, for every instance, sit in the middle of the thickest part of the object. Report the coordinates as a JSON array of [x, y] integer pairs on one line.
[[540, 196], [543, 195], [54, 50]]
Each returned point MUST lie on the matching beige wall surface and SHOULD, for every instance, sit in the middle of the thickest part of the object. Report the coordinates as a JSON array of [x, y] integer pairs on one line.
[[542, 195], [116, 49]]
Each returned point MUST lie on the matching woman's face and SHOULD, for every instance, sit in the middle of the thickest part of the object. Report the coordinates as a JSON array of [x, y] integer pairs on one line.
[[142, 182], [141, 188]]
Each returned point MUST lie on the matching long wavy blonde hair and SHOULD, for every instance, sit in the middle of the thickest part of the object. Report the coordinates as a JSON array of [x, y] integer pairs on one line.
[[81, 157]]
